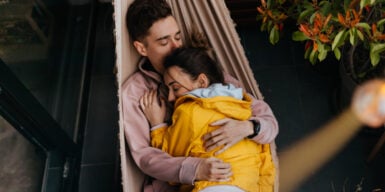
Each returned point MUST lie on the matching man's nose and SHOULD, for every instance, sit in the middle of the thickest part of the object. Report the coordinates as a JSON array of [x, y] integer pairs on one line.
[[175, 43]]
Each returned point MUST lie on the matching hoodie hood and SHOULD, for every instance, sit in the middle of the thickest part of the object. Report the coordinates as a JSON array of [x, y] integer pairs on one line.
[[218, 89], [221, 98]]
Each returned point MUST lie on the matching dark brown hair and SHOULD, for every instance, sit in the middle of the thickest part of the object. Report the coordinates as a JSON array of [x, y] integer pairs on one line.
[[142, 14], [195, 61]]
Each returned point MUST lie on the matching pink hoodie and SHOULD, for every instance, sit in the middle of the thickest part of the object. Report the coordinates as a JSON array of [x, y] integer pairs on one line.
[[156, 163]]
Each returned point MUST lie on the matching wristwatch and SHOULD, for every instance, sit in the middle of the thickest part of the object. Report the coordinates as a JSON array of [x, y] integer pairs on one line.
[[256, 129]]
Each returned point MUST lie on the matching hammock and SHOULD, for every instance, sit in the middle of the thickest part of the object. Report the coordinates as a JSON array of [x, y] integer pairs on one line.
[[213, 19]]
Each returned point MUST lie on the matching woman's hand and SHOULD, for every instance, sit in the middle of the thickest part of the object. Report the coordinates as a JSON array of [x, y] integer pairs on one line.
[[213, 169], [154, 111], [230, 132]]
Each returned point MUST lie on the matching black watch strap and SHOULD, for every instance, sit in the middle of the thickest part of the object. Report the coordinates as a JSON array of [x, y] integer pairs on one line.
[[256, 129]]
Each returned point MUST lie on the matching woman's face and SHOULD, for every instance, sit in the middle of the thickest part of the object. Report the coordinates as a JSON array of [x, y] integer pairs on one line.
[[178, 82]]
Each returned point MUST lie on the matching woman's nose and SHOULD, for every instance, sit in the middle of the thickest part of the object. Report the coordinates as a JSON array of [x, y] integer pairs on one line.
[[171, 97]]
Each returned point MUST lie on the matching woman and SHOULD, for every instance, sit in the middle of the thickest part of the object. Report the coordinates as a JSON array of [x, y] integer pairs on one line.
[[196, 82]]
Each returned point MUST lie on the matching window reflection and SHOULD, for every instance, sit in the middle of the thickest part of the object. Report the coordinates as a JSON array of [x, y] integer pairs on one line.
[[21, 163]]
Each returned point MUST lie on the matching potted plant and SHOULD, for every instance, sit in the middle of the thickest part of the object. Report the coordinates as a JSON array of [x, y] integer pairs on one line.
[[352, 31]]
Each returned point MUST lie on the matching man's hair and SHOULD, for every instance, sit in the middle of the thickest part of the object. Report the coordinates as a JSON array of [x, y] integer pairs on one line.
[[194, 61], [142, 14]]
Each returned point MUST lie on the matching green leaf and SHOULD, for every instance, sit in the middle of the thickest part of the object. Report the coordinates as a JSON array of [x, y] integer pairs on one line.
[[274, 36], [363, 3], [307, 53], [375, 50], [337, 53], [299, 36], [372, 2], [380, 22], [268, 3], [323, 3], [377, 47], [339, 39], [326, 6], [307, 5], [374, 58], [353, 36], [322, 55], [311, 19], [363, 25], [263, 27], [321, 46], [360, 35], [313, 57], [305, 13]]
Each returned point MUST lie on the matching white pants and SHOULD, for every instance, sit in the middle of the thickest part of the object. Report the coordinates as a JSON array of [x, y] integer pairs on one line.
[[222, 188]]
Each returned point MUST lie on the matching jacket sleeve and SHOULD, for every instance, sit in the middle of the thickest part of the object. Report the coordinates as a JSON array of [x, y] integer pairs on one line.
[[150, 160], [157, 136], [262, 113]]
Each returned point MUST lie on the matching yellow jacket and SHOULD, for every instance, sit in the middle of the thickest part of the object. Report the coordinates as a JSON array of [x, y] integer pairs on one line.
[[251, 163]]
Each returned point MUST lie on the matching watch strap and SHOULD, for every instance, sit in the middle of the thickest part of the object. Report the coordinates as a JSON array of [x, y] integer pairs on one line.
[[256, 129]]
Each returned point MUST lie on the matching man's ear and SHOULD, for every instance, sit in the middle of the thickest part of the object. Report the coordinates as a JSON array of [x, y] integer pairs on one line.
[[203, 81], [141, 48]]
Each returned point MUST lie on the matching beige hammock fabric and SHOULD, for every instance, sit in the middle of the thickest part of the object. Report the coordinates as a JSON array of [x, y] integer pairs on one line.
[[213, 19]]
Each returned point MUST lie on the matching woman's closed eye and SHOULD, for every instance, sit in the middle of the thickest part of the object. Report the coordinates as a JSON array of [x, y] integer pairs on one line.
[[175, 88]]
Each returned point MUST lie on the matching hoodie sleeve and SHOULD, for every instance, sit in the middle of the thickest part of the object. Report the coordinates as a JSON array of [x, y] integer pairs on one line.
[[262, 113], [150, 160], [157, 136]]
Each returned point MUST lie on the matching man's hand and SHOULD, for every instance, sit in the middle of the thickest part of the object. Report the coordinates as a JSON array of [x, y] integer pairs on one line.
[[213, 169], [155, 112], [230, 132]]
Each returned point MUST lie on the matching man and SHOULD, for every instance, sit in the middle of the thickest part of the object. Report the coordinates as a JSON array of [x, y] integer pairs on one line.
[[155, 33]]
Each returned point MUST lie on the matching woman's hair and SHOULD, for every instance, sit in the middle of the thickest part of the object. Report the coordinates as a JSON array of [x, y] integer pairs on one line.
[[195, 61], [142, 14]]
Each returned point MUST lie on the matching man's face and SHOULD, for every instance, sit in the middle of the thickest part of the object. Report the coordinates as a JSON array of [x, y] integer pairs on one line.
[[164, 36]]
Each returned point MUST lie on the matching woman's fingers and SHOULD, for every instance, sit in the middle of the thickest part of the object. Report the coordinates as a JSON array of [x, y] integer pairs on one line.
[[213, 169], [148, 98], [152, 97], [141, 102], [220, 171]]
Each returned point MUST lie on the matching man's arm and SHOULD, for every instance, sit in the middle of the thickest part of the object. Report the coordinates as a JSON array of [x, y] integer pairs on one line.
[[231, 131], [151, 161], [262, 113]]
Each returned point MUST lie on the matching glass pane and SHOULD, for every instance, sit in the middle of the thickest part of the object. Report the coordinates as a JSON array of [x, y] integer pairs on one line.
[[21, 163], [24, 45], [37, 45]]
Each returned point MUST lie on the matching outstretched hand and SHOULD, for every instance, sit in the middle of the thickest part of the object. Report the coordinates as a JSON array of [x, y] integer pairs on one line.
[[230, 132], [154, 110], [213, 169]]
